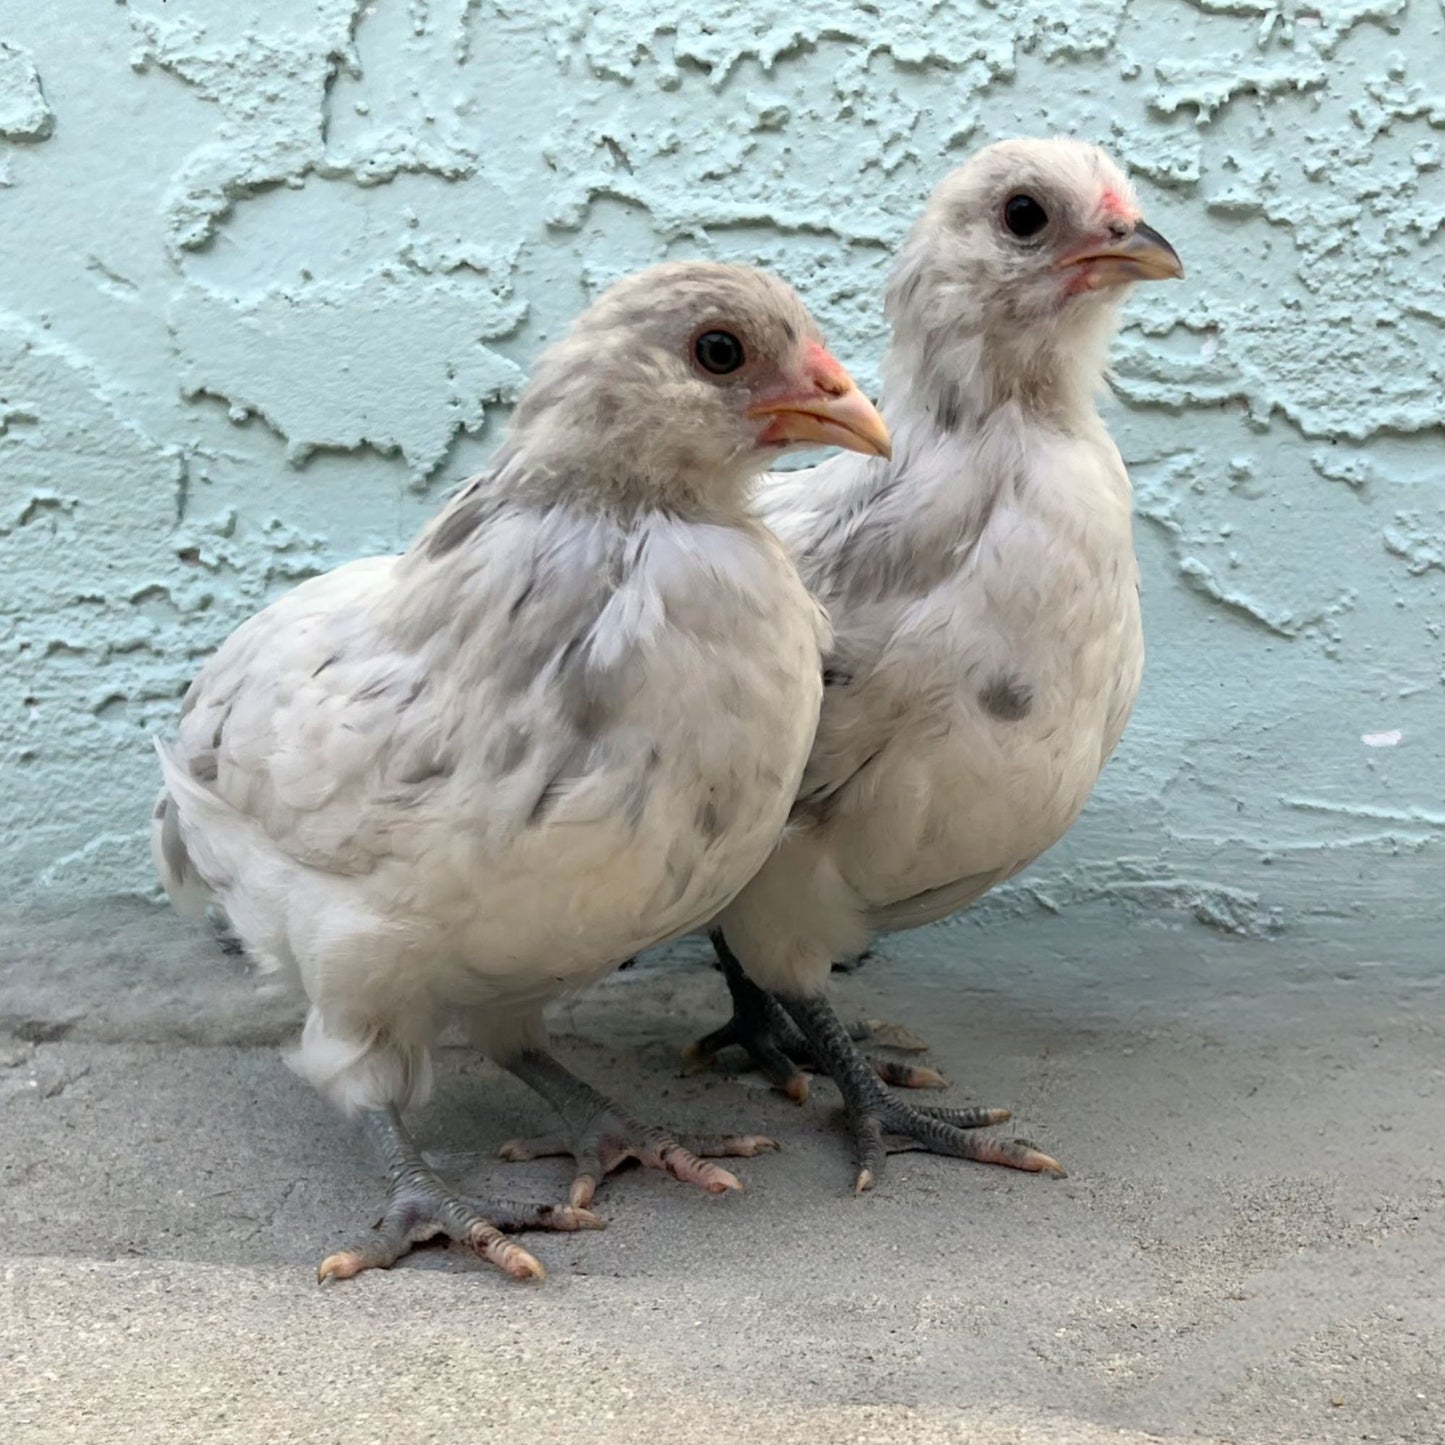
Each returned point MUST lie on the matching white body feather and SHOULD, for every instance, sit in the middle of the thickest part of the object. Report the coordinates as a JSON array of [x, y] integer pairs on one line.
[[983, 585], [457, 785], [989, 564]]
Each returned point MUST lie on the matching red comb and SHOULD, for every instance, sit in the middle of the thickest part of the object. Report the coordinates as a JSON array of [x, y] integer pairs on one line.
[[1115, 205]]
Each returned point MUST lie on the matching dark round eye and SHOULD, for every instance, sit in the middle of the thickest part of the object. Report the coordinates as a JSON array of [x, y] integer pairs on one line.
[[1024, 216], [718, 352]]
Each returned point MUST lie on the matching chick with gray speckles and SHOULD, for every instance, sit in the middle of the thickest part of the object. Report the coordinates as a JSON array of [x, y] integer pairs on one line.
[[984, 593], [455, 784]]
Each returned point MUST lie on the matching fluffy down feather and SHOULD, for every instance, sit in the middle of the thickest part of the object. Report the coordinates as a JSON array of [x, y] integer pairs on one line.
[[982, 583], [564, 725]]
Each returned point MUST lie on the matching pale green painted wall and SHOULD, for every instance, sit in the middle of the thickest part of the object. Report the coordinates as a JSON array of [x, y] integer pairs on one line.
[[269, 271]]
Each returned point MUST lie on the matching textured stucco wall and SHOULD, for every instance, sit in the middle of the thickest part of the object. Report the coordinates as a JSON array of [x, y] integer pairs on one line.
[[270, 271]]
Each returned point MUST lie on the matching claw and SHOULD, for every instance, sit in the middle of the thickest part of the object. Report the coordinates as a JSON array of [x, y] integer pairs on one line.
[[509, 1256], [973, 1117], [569, 1217], [1032, 1159], [686, 1167], [342, 1265], [521, 1151], [908, 1076], [731, 1146]]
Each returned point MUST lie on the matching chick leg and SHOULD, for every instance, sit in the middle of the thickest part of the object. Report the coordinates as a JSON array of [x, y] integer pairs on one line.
[[779, 1052], [760, 1027], [872, 1111], [599, 1136], [421, 1204], [227, 939]]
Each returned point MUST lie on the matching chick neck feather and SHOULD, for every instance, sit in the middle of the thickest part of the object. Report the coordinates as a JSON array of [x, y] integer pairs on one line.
[[960, 352], [615, 447]]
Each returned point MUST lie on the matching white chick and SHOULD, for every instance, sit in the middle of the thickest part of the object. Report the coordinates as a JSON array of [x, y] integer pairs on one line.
[[565, 724], [984, 593]]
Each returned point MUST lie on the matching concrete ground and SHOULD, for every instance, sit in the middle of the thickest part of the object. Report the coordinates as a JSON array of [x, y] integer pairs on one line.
[[1251, 1246]]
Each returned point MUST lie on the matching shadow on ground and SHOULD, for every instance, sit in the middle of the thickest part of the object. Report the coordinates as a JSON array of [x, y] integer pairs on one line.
[[1251, 1246]]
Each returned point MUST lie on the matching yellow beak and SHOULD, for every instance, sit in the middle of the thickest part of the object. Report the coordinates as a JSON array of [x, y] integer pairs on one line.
[[824, 409], [1143, 255]]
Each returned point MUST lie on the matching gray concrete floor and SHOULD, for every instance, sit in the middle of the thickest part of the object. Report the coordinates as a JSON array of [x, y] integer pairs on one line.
[[1250, 1247]]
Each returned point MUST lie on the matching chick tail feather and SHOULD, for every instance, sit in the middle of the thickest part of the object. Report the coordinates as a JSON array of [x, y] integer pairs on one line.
[[189, 893]]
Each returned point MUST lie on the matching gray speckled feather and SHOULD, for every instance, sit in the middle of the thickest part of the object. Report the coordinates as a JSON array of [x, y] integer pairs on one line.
[[566, 723], [982, 584]]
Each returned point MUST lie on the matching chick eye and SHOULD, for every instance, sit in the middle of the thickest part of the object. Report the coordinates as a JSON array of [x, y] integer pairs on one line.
[[718, 352], [1024, 216]]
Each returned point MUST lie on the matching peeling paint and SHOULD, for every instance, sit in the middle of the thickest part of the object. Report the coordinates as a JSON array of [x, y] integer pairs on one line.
[[1418, 540], [340, 364], [24, 114], [1137, 887], [271, 272]]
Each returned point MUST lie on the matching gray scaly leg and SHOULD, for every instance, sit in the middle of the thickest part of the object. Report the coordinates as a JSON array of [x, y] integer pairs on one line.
[[872, 1111], [599, 1136], [421, 1204], [780, 1053]]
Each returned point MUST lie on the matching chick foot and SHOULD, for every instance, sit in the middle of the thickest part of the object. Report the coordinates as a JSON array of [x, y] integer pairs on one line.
[[762, 1028], [873, 1112], [421, 1204], [600, 1137]]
